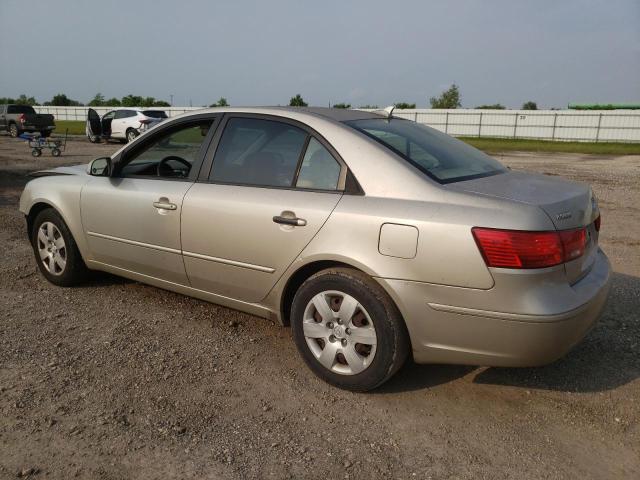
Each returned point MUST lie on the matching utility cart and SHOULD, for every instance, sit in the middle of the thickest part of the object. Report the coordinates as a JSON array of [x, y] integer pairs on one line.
[[37, 143]]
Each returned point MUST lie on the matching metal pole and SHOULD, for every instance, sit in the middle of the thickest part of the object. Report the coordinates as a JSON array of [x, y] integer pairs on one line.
[[415, 117], [480, 125], [553, 132], [515, 126], [598, 130], [446, 123]]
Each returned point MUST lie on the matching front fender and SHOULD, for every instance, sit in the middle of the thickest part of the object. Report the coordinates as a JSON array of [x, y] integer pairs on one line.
[[61, 192]]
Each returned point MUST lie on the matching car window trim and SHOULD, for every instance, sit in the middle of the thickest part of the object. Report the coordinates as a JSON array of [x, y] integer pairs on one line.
[[207, 166], [197, 163]]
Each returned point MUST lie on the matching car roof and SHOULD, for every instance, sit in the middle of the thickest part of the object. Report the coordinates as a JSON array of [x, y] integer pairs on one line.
[[337, 114], [333, 114]]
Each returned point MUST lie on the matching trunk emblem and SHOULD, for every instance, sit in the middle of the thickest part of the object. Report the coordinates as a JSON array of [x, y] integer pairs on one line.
[[564, 216]]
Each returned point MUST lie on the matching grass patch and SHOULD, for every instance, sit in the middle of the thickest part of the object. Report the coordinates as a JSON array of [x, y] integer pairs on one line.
[[496, 145], [489, 145], [76, 127]]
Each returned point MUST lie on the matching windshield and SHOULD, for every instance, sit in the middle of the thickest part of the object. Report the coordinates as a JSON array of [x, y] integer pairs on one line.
[[443, 158]]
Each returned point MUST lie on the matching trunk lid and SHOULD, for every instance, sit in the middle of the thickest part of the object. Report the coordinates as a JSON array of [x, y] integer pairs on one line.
[[568, 204]]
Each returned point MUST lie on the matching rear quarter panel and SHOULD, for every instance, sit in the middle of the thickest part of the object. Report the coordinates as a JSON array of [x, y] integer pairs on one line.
[[446, 252]]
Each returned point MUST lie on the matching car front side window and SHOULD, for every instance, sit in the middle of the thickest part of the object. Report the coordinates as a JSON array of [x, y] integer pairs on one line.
[[170, 154]]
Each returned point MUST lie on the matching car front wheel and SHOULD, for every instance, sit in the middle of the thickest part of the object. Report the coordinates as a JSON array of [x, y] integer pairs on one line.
[[56, 251], [13, 130], [348, 330]]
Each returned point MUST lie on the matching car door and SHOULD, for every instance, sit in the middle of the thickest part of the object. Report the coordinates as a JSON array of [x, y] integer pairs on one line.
[[119, 123], [246, 222], [131, 219], [94, 125]]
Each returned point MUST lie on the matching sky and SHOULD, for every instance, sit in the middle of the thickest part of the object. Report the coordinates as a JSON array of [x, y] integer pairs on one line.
[[372, 52]]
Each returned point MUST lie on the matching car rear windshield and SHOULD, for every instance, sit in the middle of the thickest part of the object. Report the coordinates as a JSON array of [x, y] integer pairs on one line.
[[20, 109], [154, 113], [441, 157]]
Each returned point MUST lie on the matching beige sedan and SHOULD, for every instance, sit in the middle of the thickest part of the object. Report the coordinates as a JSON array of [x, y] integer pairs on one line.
[[374, 237]]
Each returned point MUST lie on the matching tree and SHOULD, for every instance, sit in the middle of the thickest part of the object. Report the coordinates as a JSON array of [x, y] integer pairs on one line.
[[450, 98], [97, 101], [222, 102], [61, 100], [368, 107], [297, 101], [529, 105], [132, 101], [112, 102], [494, 106], [24, 100], [404, 105], [342, 105], [161, 103]]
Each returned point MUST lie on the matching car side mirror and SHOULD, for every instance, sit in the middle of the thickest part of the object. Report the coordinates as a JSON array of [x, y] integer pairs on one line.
[[100, 167]]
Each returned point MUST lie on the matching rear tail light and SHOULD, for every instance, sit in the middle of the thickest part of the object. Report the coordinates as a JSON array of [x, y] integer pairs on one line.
[[596, 223], [22, 118], [522, 249]]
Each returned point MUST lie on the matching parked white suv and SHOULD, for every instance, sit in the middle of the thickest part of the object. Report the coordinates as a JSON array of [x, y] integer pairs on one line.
[[122, 124]]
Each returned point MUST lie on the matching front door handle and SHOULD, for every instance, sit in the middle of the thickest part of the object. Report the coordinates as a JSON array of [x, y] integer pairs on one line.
[[296, 222], [164, 204]]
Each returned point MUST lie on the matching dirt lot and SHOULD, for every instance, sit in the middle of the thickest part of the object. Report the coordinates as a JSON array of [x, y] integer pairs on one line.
[[120, 380]]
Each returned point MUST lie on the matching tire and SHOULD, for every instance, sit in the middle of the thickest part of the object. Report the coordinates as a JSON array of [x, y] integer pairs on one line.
[[131, 135], [55, 250], [13, 131], [36, 152], [373, 318], [93, 138], [56, 152]]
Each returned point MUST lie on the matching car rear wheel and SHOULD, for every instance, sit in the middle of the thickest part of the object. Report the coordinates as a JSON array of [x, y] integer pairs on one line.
[[13, 130], [56, 251], [131, 135], [348, 330]]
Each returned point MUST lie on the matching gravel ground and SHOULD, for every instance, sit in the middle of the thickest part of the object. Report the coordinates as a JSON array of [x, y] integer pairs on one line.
[[116, 380]]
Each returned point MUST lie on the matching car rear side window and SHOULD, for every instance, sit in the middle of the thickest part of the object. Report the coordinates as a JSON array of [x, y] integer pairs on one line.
[[125, 113], [443, 158], [319, 170], [20, 109], [154, 113], [258, 152]]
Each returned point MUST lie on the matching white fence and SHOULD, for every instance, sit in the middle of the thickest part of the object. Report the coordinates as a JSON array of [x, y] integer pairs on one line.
[[559, 125], [565, 125], [80, 113]]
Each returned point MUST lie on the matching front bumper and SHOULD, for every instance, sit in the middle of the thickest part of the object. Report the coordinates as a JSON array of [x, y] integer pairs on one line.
[[550, 319]]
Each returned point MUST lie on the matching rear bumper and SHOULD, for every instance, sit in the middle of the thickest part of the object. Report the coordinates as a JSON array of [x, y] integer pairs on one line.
[[34, 128], [444, 333]]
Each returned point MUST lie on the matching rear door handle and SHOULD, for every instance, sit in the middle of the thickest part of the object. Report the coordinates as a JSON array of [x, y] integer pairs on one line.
[[164, 204], [296, 222]]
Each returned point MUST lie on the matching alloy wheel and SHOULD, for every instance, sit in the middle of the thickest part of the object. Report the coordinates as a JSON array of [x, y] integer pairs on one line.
[[51, 248]]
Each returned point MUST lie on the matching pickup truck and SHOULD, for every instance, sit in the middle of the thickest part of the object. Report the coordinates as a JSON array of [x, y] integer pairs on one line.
[[16, 119]]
